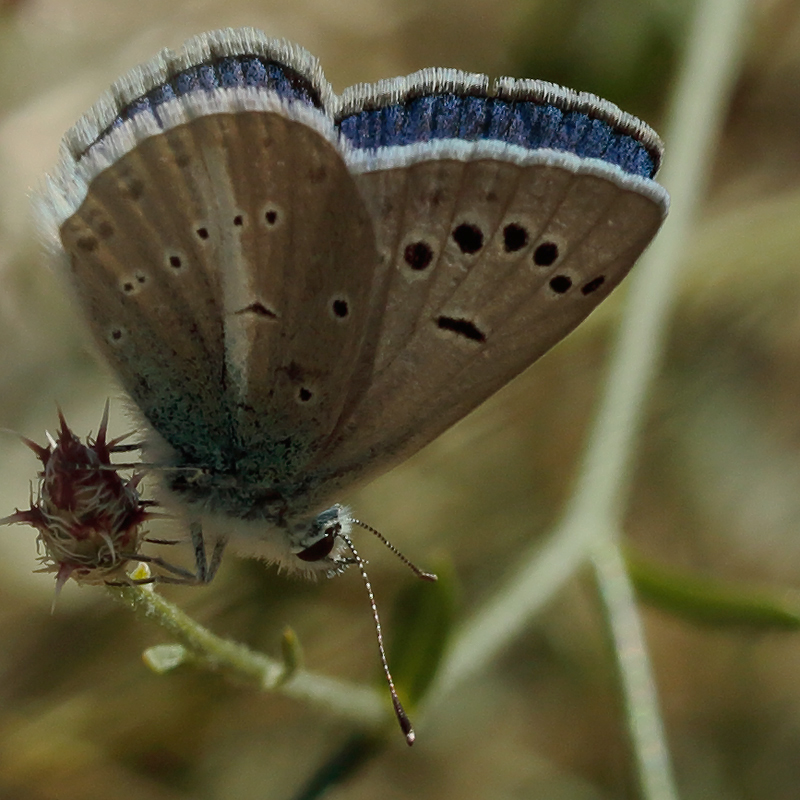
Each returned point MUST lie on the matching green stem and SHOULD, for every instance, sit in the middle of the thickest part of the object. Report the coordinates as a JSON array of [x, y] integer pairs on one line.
[[591, 525], [367, 707]]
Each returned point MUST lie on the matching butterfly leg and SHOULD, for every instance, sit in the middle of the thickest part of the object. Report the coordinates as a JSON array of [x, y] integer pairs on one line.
[[205, 570]]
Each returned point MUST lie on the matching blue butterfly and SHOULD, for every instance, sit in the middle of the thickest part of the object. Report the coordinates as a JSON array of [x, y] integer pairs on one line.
[[299, 290]]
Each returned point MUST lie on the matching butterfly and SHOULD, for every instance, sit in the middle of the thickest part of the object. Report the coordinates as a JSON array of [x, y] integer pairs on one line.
[[299, 290]]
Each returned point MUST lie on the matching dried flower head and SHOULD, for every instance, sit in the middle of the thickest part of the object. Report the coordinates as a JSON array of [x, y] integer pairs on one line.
[[88, 517]]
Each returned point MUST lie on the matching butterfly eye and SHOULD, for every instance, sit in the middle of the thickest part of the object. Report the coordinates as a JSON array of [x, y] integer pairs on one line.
[[322, 547]]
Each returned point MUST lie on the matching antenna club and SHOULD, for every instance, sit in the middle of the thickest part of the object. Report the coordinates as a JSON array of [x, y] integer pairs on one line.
[[405, 722]]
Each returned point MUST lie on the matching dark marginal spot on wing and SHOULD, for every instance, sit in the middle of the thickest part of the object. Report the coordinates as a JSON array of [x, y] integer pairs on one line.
[[175, 262], [259, 309], [294, 371], [271, 216], [438, 197], [418, 255], [304, 394], [462, 327], [105, 230], [515, 237], [87, 244], [238, 220], [340, 308], [132, 187], [593, 285], [468, 237], [561, 284], [202, 233], [545, 254], [180, 148]]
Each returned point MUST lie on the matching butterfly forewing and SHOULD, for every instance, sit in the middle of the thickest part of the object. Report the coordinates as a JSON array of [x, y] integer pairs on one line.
[[296, 268], [231, 259]]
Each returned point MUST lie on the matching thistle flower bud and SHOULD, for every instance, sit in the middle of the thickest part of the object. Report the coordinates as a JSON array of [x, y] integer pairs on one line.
[[88, 517]]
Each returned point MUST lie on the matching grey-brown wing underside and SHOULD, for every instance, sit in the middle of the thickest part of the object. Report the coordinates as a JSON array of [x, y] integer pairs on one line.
[[492, 260], [226, 267]]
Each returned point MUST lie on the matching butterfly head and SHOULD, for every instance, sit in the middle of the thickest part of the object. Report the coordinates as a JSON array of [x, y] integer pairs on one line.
[[322, 542]]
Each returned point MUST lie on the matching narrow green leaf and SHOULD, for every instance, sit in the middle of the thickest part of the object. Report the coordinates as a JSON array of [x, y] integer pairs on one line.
[[708, 601], [419, 630]]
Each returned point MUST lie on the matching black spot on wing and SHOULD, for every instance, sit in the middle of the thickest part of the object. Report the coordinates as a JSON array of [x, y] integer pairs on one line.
[[461, 327]]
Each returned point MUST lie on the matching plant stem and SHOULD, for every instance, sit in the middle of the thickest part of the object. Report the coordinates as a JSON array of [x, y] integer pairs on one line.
[[591, 525], [365, 706]]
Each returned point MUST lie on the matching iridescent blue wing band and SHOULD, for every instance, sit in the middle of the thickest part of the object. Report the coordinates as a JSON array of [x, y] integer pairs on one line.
[[531, 114], [218, 60], [230, 72], [426, 106]]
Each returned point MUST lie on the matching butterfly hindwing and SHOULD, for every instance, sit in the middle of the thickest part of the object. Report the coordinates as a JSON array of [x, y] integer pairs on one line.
[[495, 252]]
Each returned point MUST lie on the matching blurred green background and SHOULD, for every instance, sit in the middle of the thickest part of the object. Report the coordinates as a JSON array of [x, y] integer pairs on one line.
[[717, 486]]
